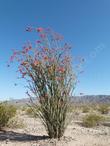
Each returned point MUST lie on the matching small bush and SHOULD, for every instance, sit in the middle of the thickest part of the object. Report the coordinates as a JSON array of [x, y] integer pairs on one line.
[[24, 108], [30, 112], [104, 109], [6, 112], [85, 109], [15, 122], [71, 108], [11, 110], [92, 120]]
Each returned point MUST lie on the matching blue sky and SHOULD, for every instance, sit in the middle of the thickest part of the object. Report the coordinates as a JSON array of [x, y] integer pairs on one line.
[[84, 24]]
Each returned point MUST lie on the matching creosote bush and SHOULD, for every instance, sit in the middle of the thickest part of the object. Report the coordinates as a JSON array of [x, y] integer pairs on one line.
[[6, 113], [85, 109], [104, 109], [15, 122], [46, 65], [24, 108], [31, 112], [92, 120]]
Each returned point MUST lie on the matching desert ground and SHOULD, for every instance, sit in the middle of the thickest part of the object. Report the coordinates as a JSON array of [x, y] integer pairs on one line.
[[33, 134]]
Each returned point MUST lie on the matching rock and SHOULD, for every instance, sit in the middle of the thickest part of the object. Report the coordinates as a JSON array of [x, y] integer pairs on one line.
[[7, 141]]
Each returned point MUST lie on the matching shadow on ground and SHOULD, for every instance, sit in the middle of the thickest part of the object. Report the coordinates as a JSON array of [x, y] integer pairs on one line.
[[14, 136], [80, 123]]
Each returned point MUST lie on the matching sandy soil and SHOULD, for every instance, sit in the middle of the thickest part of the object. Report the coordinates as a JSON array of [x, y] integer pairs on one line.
[[34, 134]]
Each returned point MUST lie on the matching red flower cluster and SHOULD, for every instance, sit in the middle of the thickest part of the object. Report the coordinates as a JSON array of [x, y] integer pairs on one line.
[[61, 69], [40, 29], [47, 55]]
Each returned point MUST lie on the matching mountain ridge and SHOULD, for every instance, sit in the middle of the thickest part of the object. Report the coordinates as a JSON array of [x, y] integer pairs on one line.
[[85, 99]]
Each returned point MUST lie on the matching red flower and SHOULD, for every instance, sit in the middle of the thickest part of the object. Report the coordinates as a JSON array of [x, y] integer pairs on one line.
[[24, 63], [23, 74], [36, 62], [61, 69], [46, 49], [42, 36], [11, 58], [51, 60], [59, 78], [45, 58], [40, 29]]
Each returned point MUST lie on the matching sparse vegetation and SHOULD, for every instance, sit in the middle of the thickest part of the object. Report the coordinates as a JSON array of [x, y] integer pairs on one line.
[[85, 109], [15, 122], [92, 120], [24, 108], [104, 109], [6, 113], [30, 112]]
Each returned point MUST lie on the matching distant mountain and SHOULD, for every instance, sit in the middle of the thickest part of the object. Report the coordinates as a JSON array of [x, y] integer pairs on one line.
[[75, 99], [91, 99], [21, 102]]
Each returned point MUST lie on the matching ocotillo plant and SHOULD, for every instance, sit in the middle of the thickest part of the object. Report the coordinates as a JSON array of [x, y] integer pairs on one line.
[[46, 65]]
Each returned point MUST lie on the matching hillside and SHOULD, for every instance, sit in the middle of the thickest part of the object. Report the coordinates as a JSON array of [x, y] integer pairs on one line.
[[74, 99]]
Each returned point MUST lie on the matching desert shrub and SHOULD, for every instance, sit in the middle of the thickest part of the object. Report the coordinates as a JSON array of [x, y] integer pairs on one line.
[[11, 110], [85, 109], [29, 111], [32, 111], [92, 120], [24, 108], [3, 116], [71, 108], [94, 107], [104, 109], [47, 68], [6, 112], [15, 122]]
